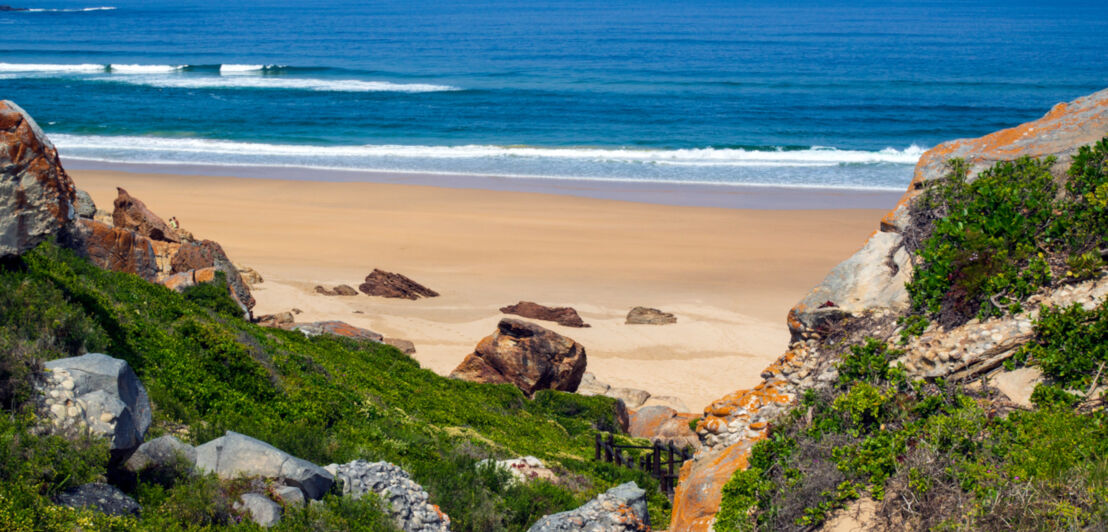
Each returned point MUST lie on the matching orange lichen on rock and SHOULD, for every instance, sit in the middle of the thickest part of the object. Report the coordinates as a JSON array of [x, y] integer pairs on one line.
[[697, 497]]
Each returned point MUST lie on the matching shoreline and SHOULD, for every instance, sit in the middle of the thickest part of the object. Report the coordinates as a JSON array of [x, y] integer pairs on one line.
[[730, 275], [726, 196]]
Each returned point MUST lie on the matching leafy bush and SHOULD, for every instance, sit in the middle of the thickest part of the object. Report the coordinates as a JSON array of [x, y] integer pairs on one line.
[[1070, 344]]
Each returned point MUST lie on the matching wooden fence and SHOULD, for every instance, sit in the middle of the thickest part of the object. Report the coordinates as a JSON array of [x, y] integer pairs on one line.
[[663, 462]]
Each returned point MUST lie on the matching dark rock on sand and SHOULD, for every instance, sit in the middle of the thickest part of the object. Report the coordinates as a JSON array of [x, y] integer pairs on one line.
[[395, 285], [340, 290], [561, 315], [649, 316]]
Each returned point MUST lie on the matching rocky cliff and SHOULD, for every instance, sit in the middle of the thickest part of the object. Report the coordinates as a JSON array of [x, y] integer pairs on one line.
[[864, 296]]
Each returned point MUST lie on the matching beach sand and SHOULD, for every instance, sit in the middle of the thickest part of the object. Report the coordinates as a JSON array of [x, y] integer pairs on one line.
[[729, 275]]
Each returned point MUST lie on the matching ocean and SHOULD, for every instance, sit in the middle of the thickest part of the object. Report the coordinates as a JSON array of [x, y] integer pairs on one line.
[[793, 94]]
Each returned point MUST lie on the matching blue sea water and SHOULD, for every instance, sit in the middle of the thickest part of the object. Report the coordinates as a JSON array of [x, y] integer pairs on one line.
[[794, 93]]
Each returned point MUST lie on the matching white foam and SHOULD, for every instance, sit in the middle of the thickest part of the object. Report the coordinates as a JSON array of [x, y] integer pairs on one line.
[[691, 157], [71, 10], [234, 69], [144, 69], [41, 67], [313, 84]]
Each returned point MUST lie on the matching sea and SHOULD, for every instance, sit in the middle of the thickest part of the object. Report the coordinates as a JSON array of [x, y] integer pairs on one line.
[[836, 94]]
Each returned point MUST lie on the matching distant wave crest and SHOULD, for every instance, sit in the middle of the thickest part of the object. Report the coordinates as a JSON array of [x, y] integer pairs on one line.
[[229, 76], [70, 9]]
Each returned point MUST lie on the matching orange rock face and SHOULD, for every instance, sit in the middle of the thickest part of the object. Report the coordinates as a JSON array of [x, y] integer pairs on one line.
[[529, 356], [117, 249], [696, 500], [662, 423], [36, 195], [131, 213]]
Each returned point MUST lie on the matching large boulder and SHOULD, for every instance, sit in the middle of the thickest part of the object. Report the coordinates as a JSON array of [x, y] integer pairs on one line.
[[664, 424], [85, 207], [131, 213], [36, 195], [104, 498], [115, 249], [561, 315], [407, 502], [620, 509], [100, 393], [394, 285], [524, 354], [204, 254], [234, 455]]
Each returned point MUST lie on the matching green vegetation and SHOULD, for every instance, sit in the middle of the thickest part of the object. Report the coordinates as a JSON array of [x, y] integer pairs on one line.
[[989, 244], [325, 399], [932, 456]]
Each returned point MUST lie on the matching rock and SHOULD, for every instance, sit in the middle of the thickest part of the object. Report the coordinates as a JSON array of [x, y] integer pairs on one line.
[[85, 207], [526, 355], [36, 195], [591, 386], [405, 346], [872, 278], [561, 315], [209, 254], [697, 497], [115, 249], [661, 423], [340, 290], [387, 284], [291, 496], [649, 316], [337, 328], [107, 396], [523, 469], [103, 216], [131, 213], [250, 276], [622, 508], [234, 455], [1018, 385], [101, 497], [667, 400], [162, 460], [406, 501], [263, 511], [280, 320], [634, 398]]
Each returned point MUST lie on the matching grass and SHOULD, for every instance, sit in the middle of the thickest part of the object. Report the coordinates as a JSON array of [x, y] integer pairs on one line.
[[325, 399]]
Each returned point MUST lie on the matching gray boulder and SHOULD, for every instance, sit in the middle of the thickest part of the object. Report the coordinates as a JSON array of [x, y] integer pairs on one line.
[[101, 497], [162, 460], [86, 208], [262, 510], [100, 393], [407, 501], [622, 508], [290, 495], [36, 195], [234, 455]]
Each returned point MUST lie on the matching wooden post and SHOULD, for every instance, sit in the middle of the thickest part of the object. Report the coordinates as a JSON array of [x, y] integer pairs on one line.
[[599, 441], [657, 460], [669, 483], [608, 448]]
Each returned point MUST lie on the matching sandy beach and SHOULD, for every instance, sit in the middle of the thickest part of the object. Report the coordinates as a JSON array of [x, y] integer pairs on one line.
[[729, 275]]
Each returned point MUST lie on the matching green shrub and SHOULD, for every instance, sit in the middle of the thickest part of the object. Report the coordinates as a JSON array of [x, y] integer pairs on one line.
[[214, 295], [1070, 344]]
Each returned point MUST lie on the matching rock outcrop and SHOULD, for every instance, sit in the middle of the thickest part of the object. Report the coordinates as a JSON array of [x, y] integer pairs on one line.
[[337, 328], [84, 206], [132, 214], [234, 455], [405, 346], [561, 315], [649, 316], [620, 509], [523, 469], [115, 249], [407, 502], [104, 498], [524, 354], [664, 424], [869, 289], [394, 285], [340, 290], [36, 195], [98, 393]]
